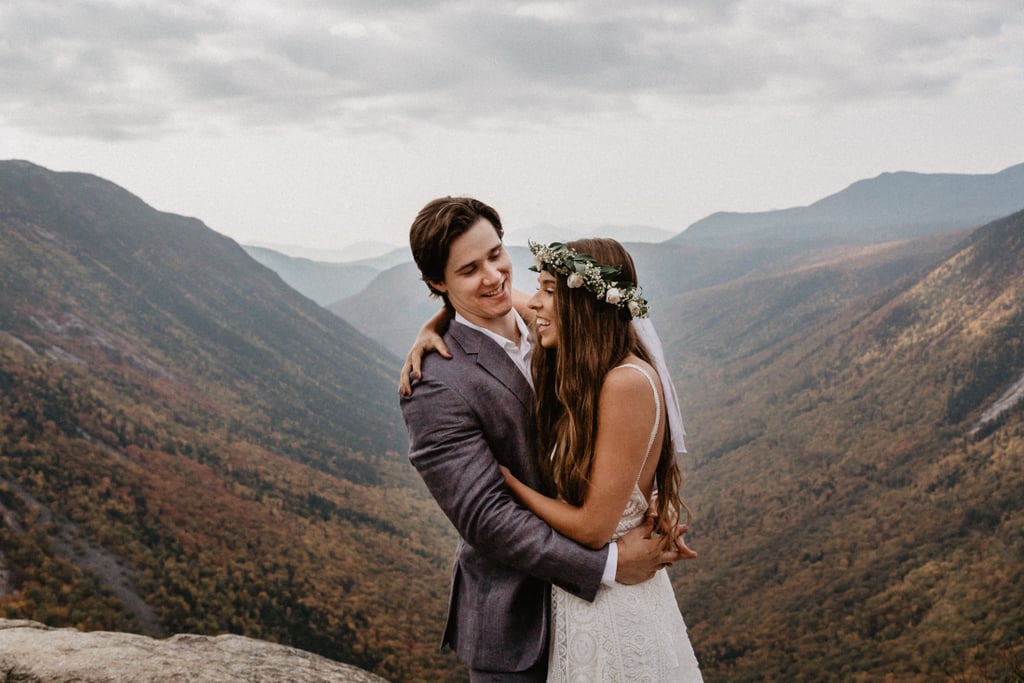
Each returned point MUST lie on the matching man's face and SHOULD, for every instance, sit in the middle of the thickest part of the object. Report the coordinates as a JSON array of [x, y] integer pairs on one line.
[[478, 275]]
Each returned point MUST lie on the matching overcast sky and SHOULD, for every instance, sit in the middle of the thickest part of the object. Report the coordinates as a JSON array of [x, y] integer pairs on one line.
[[324, 123]]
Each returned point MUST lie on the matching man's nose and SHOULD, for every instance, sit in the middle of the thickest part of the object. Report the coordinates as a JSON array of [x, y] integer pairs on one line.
[[491, 273]]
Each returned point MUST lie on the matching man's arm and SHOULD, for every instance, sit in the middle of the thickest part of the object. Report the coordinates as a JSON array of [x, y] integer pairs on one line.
[[452, 456]]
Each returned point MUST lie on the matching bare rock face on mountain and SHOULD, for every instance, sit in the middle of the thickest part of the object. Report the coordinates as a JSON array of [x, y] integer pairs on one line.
[[33, 653]]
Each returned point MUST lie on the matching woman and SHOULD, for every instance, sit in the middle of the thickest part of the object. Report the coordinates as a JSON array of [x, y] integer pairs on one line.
[[607, 446]]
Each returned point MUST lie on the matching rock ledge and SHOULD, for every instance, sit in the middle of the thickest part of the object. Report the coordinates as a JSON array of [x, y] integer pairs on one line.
[[31, 652]]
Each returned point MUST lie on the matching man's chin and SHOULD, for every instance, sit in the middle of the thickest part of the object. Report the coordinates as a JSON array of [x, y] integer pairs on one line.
[[502, 302], [502, 311]]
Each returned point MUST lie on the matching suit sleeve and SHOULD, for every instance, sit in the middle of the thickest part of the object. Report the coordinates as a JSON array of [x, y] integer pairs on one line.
[[448, 449]]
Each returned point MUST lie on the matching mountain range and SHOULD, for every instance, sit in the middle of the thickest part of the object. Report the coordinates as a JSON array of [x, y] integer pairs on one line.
[[887, 207], [718, 248], [323, 282], [176, 413], [363, 251], [724, 247]]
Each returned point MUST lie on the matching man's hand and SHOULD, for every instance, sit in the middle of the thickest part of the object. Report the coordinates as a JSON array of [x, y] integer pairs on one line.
[[685, 552], [428, 340], [641, 554]]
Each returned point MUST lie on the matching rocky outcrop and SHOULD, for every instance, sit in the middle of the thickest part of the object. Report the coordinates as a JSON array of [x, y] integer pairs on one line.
[[33, 653]]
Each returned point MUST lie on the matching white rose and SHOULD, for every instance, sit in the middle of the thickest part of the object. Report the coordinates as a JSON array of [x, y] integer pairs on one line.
[[537, 261], [574, 280], [613, 295], [634, 308]]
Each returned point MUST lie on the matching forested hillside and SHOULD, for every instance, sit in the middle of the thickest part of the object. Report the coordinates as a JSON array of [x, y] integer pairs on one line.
[[854, 519], [188, 445]]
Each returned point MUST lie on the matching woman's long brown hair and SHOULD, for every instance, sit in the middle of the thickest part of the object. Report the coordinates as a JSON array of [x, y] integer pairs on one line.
[[594, 337]]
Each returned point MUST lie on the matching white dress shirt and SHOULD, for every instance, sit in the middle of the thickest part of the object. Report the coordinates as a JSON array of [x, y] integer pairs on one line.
[[520, 353]]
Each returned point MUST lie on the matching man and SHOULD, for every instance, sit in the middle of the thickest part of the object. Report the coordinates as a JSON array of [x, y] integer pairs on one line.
[[471, 413]]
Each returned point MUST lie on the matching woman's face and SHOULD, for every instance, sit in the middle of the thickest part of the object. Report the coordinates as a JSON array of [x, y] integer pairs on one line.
[[543, 305]]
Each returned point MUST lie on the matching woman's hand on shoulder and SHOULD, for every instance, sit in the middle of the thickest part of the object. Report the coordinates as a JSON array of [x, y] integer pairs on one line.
[[428, 340]]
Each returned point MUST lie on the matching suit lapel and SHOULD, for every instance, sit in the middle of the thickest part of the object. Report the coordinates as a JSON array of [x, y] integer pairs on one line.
[[493, 359]]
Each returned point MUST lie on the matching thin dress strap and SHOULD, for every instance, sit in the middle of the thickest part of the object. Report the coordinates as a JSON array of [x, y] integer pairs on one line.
[[657, 415]]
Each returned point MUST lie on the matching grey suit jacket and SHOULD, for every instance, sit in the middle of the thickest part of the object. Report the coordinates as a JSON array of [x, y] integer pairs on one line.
[[469, 414]]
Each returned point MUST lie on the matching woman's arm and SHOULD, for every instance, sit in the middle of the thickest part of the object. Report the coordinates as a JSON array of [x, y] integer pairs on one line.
[[561, 516], [429, 339], [625, 420]]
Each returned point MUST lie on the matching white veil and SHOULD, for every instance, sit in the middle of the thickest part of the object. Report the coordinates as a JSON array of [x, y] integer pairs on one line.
[[649, 338]]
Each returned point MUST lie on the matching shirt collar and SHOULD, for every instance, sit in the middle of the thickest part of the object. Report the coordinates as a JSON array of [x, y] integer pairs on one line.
[[505, 343]]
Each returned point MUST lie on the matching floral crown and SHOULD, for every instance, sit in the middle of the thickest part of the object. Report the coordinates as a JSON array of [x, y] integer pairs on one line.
[[582, 270]]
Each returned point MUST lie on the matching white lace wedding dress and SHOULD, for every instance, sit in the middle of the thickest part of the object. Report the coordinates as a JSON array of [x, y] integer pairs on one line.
[[628, 633]]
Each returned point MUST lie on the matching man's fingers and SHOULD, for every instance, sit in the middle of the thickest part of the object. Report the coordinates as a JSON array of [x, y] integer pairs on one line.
[[648, 527], [684, 550], [668, 557]]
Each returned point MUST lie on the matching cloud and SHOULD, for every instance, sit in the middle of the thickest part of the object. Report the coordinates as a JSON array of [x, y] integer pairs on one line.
[[123, 69]]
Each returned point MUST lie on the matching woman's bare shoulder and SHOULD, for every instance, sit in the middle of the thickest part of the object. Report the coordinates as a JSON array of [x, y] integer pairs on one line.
[[625, 382]]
